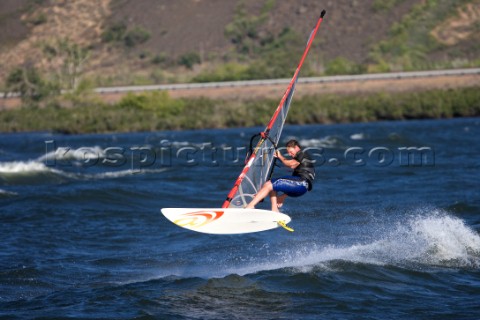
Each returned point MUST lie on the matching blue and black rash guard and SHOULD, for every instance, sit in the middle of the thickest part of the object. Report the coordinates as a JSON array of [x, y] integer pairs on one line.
[[305, 169]]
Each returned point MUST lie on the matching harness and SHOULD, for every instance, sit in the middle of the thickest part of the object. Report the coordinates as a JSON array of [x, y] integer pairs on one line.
[[305, 169]]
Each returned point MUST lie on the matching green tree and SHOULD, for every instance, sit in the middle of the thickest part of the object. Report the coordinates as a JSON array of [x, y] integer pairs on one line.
[[29, 84], [71, 59]]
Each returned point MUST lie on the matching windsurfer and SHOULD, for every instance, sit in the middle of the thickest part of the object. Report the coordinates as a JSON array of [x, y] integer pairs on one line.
[[294, 185]]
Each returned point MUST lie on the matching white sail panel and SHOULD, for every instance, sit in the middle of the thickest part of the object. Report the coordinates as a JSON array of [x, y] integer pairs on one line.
[[262, 163]]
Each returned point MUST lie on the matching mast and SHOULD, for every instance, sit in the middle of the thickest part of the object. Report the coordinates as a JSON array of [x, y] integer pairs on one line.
[[284, 103]]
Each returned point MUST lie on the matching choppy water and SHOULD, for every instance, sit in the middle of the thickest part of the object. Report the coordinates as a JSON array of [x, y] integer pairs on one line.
[[383, 235]]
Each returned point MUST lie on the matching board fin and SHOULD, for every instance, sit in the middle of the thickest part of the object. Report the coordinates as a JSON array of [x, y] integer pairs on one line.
[[284, 225]]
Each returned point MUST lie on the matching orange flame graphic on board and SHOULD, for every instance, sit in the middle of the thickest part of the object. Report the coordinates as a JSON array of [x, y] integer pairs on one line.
[[198, 218]]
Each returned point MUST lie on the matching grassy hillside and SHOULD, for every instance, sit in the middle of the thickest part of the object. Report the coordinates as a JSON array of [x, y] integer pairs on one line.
[[124, 42], [49, 46]]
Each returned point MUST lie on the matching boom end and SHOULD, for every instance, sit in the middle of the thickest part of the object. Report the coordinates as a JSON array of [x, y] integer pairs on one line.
[[323, 13]]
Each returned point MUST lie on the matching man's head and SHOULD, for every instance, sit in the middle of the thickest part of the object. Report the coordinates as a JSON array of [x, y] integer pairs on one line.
[[293, 147]]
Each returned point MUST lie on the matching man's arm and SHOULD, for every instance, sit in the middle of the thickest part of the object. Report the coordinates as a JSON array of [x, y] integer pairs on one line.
[[291, 163]]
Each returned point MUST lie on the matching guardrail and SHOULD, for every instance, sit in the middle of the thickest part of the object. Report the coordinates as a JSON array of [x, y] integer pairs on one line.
[[343, 78], [327, 79]]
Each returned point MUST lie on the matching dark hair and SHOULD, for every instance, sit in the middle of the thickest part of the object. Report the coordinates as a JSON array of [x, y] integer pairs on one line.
[[293, 143]]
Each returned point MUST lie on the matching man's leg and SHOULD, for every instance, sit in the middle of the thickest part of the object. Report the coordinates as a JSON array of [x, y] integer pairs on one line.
[[273, 200], [264, 191], [280, 200]]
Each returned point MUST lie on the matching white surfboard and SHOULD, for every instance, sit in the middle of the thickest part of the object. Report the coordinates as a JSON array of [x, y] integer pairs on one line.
[[226, 220]]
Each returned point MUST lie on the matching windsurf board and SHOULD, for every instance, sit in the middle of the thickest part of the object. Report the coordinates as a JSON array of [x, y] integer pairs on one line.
[[226, 220]]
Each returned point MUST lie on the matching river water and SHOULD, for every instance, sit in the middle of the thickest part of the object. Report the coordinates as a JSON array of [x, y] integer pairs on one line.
[[390, 230]]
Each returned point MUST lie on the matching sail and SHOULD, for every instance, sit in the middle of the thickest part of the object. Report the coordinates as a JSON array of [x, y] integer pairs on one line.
[[260, 161]]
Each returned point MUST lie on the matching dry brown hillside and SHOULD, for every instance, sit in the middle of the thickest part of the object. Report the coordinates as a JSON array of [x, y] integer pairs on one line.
[[171, 29], [460, 27]]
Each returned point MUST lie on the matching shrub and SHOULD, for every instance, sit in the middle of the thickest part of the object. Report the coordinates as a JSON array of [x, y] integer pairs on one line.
[[226, 72], [159, 58], [158, 102], [119, 32], [190, 59], [114, 33], [342, 65], [136, 36]]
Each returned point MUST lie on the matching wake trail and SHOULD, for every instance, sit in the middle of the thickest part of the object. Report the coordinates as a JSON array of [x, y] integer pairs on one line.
[[433, 239]]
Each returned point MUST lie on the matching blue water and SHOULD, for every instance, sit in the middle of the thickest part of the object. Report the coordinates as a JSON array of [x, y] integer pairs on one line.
[[383, 235]]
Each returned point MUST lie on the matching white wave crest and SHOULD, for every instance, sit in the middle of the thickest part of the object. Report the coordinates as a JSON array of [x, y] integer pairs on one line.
[[122, 173], [7, 193], [358, 136], [435, 240], [326, 142], [80, 154], [34, 168], [26, 170], [22, 167], [447, 239]]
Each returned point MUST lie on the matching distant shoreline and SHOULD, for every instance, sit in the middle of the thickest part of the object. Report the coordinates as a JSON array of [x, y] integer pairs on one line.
[[345, 85], [156, 111]]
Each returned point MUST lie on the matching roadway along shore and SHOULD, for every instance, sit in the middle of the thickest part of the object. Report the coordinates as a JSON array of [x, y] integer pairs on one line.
[[354, 84]]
